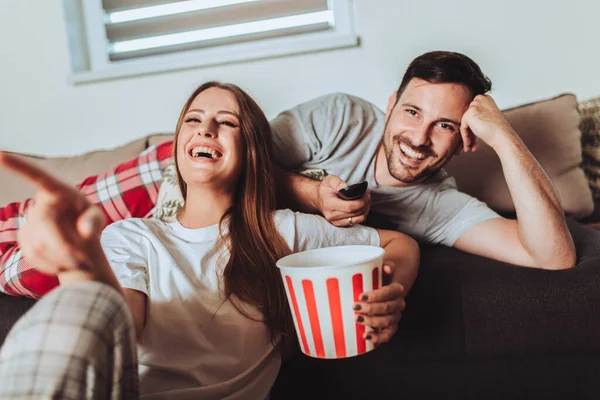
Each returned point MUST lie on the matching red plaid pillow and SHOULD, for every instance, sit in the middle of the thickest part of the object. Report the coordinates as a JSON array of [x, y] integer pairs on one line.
[[129, 190]]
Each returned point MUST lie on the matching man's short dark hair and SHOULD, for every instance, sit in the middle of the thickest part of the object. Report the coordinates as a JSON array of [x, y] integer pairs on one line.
[[446, 67]]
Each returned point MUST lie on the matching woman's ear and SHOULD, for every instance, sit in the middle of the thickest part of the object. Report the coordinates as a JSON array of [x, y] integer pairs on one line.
[[391, 104]]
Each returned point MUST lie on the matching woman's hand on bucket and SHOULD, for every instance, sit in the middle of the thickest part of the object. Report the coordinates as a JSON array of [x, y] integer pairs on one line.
[[381, 309]]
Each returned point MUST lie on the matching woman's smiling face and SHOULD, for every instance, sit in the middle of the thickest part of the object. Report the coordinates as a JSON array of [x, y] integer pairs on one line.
[[210, 143]]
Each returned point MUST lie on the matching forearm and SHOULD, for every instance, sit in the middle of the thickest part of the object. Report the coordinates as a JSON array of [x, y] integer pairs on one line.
[[296, 191], [404, 252], [98, 269], [540, 218]]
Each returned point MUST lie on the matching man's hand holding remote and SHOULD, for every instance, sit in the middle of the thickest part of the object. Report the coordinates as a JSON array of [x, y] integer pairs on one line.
[[338, 211]]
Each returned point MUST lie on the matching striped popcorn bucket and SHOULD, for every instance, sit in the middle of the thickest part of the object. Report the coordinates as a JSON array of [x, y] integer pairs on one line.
[[322, 285]]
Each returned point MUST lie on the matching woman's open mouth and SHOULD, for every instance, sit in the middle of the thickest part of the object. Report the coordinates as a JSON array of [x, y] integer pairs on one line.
[[205, 152]]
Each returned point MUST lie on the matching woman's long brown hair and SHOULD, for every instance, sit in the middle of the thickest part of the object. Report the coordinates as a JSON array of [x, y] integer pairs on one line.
[[254, 242]]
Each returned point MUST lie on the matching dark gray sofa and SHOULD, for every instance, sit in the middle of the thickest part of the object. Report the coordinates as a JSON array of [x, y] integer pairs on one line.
[[473, 329], [477, 329]]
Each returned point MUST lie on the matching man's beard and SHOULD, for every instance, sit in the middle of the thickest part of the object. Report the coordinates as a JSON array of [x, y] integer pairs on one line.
[[400, 171]]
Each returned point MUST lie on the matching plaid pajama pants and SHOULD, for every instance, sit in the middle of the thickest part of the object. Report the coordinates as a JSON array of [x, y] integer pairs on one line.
[[77, 342]]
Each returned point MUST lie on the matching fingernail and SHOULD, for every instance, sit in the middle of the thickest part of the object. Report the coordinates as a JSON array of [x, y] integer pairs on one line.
[[369, 337], [85, 267], [364, 297], [90, 224], [360, 318], [357, 307]]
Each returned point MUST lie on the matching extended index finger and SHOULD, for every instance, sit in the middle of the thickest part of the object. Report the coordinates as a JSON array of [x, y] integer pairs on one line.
[[32, 173]]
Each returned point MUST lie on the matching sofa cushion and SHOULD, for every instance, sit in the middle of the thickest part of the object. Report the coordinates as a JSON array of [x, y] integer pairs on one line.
[[550, 129], [590, 141], [70, 169], [159, 138]]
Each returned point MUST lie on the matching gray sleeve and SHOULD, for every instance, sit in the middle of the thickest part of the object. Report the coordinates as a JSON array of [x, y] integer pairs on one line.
[[454, 213], [314, 232], [312, 131]]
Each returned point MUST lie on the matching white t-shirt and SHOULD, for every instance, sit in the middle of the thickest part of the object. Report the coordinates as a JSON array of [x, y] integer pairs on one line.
[[192, 346]]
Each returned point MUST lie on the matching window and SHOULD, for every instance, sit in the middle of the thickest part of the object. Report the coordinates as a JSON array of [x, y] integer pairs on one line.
[[117, 38]]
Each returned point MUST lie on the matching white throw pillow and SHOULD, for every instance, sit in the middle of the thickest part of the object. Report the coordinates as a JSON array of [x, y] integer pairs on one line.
[[170, 199]]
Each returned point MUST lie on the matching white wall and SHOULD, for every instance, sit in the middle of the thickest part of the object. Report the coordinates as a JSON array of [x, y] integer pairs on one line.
[[531, 49]]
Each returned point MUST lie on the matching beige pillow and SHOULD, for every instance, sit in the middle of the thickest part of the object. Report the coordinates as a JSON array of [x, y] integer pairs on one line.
[[158, 138], [590, 142], [550, 129], [169, 200]]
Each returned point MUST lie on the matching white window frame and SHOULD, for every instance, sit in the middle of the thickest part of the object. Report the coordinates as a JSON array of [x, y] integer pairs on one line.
[[90, 58]]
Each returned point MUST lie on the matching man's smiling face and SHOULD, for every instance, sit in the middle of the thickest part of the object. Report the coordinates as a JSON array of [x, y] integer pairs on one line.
[[422, 130]]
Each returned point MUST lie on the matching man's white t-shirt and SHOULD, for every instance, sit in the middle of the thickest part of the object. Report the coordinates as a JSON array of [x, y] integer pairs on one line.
[[193, 345]]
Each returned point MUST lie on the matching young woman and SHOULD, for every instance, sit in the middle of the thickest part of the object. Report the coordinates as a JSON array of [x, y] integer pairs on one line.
[[201, 293]]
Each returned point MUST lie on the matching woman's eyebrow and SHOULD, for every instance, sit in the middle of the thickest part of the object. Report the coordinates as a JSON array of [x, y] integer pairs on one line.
[[201, 111], [229, 112]]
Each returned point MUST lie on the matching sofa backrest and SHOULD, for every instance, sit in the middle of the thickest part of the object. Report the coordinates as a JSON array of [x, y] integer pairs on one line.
[[159, 138], [71, 169]]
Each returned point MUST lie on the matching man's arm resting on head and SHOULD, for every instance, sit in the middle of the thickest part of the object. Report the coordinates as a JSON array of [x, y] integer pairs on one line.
[[129, 190], [539, 237]]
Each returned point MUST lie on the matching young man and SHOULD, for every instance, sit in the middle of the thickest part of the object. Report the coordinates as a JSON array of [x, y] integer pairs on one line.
[[439, 108]]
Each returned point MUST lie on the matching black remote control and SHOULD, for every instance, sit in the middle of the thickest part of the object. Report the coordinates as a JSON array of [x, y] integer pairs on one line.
[[354, 191]]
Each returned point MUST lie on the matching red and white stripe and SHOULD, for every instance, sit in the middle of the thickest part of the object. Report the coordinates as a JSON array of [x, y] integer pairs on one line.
[[325, 328]]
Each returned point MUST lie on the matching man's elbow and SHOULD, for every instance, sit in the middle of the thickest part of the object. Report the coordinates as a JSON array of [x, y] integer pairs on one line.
[[567, 259]]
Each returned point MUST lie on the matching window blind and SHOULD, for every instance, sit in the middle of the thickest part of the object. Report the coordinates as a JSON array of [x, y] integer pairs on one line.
[[138, 28]]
